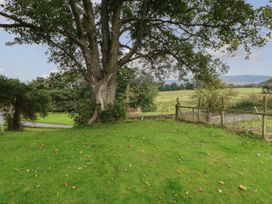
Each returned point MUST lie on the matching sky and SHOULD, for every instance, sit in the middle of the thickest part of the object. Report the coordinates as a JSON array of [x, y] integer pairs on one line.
[[26, 62]]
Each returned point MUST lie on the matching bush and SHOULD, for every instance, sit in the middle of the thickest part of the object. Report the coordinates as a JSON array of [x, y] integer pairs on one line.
[[113, 112], [246, 105], [211, 95], [83, 111], [85, 108]]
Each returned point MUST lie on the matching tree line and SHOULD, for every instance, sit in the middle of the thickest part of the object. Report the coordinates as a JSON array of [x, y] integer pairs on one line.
[[68, 92], [183, 86]]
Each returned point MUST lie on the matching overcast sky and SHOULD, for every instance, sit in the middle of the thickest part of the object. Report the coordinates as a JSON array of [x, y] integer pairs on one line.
[[28, 62]]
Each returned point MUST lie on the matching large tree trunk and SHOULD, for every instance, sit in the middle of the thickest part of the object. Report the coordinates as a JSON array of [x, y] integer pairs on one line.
[[103, 94]]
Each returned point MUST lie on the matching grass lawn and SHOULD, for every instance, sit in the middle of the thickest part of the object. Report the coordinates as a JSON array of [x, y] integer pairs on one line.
[[134, 162], [56, 118]]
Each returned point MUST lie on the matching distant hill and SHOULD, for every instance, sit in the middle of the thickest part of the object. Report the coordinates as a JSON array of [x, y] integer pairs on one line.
[[234, 79], [267, 82], [244, 79]]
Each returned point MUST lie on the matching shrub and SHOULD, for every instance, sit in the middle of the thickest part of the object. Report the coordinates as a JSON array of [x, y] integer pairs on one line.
[[113, 112], [248, 104], [245, 104], [211, 95], [83, 111]]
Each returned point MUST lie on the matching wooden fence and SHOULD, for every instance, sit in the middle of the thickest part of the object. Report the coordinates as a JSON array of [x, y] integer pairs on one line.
[[222, 116]]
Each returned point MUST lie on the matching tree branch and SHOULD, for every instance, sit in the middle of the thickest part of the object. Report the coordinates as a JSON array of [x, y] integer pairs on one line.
[[116, 25], [140, 33], [105, 32], [76, 15], [20, 23]]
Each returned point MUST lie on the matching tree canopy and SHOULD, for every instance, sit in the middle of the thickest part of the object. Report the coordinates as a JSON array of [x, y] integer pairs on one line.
[[97, 39]]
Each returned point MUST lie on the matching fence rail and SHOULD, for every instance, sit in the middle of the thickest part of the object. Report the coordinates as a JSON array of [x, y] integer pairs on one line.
[[223, 116]]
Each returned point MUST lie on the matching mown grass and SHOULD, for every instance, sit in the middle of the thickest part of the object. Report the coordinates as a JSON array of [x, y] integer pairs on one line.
[[134, 162]]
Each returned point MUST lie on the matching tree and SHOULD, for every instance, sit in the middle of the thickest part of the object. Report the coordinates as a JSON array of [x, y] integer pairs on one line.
[[137, 89], [189, 85], [61, 88], [97, 39], [19, 100], [212, 94]]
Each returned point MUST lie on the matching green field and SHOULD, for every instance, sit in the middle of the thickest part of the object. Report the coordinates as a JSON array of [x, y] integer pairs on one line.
[[134, 162], [166, 101]]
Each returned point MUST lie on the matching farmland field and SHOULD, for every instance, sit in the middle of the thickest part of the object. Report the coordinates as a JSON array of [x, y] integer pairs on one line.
[[134, 162], [166, 101]]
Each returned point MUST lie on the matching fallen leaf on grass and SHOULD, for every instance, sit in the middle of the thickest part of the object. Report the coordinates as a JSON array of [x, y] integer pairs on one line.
[[201, 190], [146, 183], [66, 184], [242, 187], [18, 170], [221, 182], [219, 191]]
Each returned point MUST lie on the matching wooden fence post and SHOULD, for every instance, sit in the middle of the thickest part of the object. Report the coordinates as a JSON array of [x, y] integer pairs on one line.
[[193, 114], [222, 113], [177, 107], [264, 118], [209, 116], [198, 110]]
